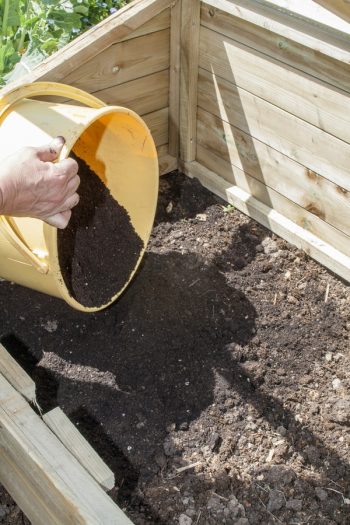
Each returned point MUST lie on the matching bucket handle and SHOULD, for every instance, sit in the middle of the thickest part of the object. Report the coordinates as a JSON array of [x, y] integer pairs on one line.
[[38, 89]]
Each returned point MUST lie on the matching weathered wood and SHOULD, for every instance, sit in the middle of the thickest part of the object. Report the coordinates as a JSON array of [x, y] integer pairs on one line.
[[158, 125], [273, 199], [122, 62], [16, 376], [275, 170], [190, 25], [312, 35], [89, 44], [167, 163], [319, 11], [73, 440], [40, 473], [142, 95], [270, 218], [157, 23], [279, 46], [174, 87], [284, 86], [313, 148], [340, 7]]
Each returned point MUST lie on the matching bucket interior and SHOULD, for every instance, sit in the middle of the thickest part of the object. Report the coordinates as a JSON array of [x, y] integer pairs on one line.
[[119, 149]]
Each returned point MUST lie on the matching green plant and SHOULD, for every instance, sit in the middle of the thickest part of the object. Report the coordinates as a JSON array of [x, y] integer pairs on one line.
[[228, 209], [33, 30]]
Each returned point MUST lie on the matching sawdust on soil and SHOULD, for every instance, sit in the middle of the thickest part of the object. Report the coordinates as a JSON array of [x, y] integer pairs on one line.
[[217, 387]]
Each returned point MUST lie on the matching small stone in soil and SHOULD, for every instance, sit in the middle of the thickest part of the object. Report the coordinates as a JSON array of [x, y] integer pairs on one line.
[[321, 494], [276, 501]]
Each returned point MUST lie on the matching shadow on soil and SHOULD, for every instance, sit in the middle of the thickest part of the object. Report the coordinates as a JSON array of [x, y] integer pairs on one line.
[[149, 362]]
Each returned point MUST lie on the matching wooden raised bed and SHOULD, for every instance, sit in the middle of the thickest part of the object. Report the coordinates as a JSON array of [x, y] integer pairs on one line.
[[250, 96]]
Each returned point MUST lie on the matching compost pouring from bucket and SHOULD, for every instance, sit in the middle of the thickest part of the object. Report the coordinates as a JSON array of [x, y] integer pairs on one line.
[[114, 142]]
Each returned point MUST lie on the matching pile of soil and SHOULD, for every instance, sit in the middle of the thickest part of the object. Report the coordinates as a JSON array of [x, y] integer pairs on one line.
[[217, 387], [100, 248]]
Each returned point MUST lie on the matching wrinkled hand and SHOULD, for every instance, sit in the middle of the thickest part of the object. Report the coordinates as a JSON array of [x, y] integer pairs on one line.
[[31, 185]]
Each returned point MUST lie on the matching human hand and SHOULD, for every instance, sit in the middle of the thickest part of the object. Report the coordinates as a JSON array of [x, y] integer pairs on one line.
[[31, 185]]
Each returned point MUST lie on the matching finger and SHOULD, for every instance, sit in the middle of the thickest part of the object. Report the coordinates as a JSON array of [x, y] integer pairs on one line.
[[59, 220], [66, 167], [51, 151], [70, 202], [73, 185]]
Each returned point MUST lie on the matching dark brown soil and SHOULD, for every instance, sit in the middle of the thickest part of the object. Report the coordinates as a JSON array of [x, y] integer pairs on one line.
[[100, 248], [217, 387]]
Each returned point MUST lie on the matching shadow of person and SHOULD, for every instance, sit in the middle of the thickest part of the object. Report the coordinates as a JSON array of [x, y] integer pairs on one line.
[[149, 360]]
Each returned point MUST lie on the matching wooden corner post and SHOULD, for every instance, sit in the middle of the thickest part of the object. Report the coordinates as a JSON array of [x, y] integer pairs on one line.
[[190, 26]]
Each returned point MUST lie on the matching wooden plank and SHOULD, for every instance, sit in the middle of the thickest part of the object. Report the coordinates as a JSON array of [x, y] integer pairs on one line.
[[318, 151], [167, 163], [278, 46], [94, 41], [142, 95], [157, 23], [302, 95], [322, 252], [71, 438], [123, 62], [275, 170], [190, 24], [43, 474], [318, 10], [340, 7], [158, 125], [174, 91], [16, 376], [274, 200], [306, 33]]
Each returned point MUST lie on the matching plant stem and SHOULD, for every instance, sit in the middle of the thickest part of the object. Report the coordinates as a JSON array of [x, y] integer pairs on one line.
[[5, 17], [23, 30]]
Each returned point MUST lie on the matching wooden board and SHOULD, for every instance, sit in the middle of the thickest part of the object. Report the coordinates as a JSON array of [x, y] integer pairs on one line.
[[279, 46], [284, 86], [16, 376], [122, 62], [271, 219], [166, 161], [322, 11], [45, 480], [174, 88], [75, 442], [190, 24], [302, 142], [158, 125], [305, 33], [157, 23], [340, 7], [273, 199], [142, 95], [275, 170]]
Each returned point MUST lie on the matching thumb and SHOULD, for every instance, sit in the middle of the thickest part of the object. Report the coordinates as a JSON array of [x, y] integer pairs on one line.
[[51, 151]]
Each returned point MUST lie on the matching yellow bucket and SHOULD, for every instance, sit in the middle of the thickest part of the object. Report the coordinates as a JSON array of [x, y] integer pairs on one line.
[[105, 137]]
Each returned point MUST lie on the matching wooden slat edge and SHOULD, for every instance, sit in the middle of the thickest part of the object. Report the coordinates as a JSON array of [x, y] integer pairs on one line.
[[174, 78], [81, 449], [190, 26], [49, 471], [16, 376], [322, 252], [320, 38]]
